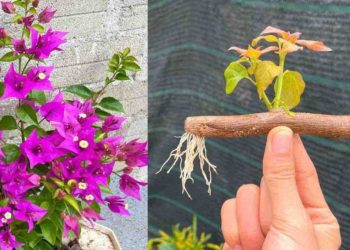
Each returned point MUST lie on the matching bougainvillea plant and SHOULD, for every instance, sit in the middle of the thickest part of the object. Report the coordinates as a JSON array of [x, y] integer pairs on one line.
[[288, 85], [59, 170]]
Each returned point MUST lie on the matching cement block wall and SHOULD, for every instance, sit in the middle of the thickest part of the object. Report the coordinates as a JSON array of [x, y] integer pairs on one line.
[[98, 28]]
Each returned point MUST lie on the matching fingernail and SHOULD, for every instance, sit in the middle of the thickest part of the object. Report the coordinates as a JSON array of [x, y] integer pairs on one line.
[[282, 141]]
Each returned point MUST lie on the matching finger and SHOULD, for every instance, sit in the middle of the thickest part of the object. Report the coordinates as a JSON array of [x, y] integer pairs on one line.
[[279, 175], [229, 224], [265, 212], [247, 202], [306, 177], [227, 247]]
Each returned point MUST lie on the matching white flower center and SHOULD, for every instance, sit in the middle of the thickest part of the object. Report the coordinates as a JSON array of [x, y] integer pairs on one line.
[[75, 138], [8, 215], [3, 220], [89, 197], [82, 185], [42, 76], [83, 144], [82, 115], [126, 206]]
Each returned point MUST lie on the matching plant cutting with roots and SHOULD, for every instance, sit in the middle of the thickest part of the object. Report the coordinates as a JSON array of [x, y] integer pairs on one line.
[[288, 88], [55, 173]]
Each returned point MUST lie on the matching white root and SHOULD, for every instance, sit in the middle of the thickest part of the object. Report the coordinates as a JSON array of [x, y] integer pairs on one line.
[[195, 147]]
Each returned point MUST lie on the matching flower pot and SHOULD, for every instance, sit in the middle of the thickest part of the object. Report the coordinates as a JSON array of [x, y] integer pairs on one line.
[[98, 237], [92, 238]]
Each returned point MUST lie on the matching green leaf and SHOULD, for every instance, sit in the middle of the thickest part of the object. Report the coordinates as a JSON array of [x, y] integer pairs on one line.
[[49, 231], [11, 152], [131, 66], [122, 77], [96, 207], [72, 201], [43, 245], [38, 28], [264, 73], [292, 88], [28, 130], [115, 60], [81, 91], [126, 52], [37, 96], [9, 57], [32, 10], [4, 202], [111, 103], [8, 123], [234, 73], [168, 246], [102, 113], [27, 114], [105, 190], [19, 3], [2, 88], [26, 32]]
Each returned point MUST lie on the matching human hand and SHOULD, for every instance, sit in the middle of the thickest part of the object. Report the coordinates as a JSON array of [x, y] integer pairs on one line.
[[288, 210]]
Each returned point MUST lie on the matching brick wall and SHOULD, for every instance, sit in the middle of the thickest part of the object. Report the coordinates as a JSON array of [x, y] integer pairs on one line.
[[97, 28]]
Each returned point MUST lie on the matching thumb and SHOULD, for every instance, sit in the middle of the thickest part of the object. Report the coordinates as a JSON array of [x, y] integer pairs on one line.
[[279, 175]]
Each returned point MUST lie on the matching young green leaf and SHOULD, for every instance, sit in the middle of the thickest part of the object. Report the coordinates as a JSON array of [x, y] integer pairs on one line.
[[265, 72], [234, 73], [131, 66], [2, 88], [27, 114], [38, 28], [9, 57], [11, 152], [292, 88], [81, 91], [8, 123], [73, 202], [111, 103]]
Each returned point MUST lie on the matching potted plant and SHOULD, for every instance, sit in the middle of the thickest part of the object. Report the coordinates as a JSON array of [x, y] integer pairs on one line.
[[54, 174], [288, 87], [183, 239]]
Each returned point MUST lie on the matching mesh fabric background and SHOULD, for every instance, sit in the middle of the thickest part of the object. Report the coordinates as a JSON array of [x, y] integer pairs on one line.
[[188, 43]]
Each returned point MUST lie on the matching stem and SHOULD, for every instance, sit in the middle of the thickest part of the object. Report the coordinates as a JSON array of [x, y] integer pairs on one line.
[[337, 126], [277, 100], [265, 98], [25, 66]]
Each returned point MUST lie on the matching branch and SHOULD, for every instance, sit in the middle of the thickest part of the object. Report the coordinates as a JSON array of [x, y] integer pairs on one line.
[[262, 123]]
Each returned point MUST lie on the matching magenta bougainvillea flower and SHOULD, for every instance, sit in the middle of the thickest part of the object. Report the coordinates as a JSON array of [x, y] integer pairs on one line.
[[8, 240], [28, 20], [112, 123], [8, 7], [46, 15], [43, 45], [117, 205], [40, 150], [131, 186], [91, 215], [19, 45], [15, 85], [29, 213], [3, 33], [38, 78], [133, 153], [54, 110], [6, 216], [70, 223]]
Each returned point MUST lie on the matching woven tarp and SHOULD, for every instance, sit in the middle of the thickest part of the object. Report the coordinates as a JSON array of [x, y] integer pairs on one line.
[[188, 43]]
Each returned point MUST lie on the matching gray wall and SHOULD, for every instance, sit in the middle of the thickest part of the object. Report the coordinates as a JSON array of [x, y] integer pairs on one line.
[[97, 29]]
